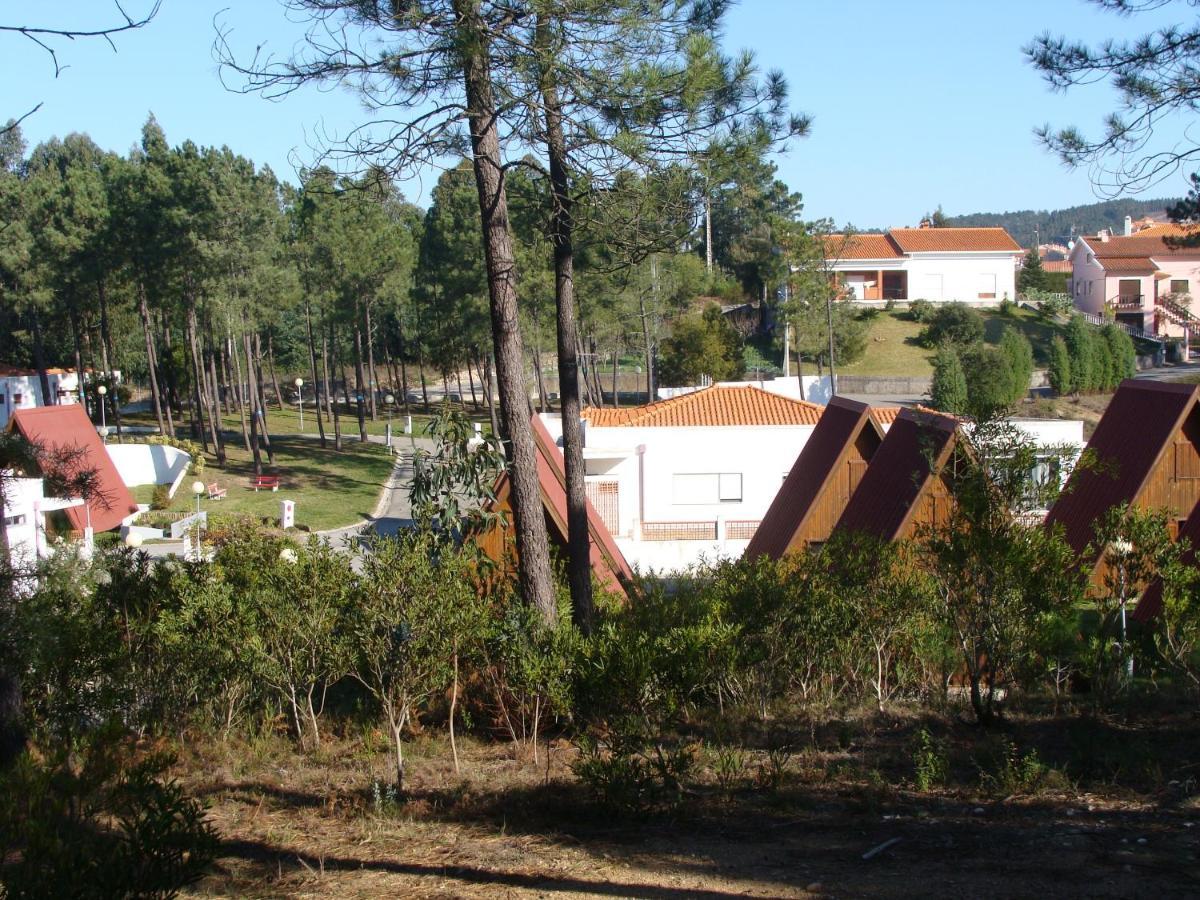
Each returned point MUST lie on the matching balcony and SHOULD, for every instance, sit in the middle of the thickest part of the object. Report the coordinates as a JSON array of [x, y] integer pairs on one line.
[[1127, 302]]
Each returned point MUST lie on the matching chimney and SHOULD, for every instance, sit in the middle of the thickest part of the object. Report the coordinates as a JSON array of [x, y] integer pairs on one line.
[[1128, 226], [1104, 234]]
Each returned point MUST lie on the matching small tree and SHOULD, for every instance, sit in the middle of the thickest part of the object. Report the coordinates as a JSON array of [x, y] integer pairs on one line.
[[1032, 275], [704, 345], [417, 612], [1079, 345], [1019, 353], [989, 381], [998, 581], [956, 323], [948, 392], [1060, 366], [1124, 354]]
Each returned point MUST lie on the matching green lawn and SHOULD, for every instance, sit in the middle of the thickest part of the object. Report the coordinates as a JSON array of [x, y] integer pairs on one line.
[[331, 489], [892, 347]]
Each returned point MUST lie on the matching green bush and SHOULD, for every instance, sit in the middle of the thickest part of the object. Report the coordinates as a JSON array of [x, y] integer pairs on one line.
[[989, 380], [161, 498], [948, 391], [1060, 367], [954, 323], [920, 310], [931, 764], [103, 825]]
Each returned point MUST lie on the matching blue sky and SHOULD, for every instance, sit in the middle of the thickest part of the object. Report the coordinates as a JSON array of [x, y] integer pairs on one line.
[[914, 104]]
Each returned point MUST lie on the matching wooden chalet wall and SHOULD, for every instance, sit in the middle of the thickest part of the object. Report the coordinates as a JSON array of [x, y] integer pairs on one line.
[[1145, 452], [826, 473], [908, 483]]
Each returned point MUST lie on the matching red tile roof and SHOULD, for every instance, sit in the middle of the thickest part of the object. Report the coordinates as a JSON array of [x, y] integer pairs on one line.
[[608, 562], [815, 468], [1127, 265], [899, 473], [884, 416], [1057, 265], [1143, 245], [68, 426], [1136, 430], [1151, 603], [954, 240], [861, 246], [711, 406]]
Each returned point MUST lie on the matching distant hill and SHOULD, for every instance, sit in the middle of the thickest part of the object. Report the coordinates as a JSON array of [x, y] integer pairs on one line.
[[1060, 225]]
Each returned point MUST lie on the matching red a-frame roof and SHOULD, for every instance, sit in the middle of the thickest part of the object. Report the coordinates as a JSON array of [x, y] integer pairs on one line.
[[67, 426], [814, 472], [608, 562], [917, 446], [1137, 429]]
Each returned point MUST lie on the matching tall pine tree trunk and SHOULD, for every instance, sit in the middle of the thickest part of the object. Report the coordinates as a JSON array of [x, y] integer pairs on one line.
[[360, 387], [189, 330], [252, 392], [271, 365], [312, 360], [533, 551], [261, 397], [106, 352], [151, 357], [579, 568], [241, 400], [330, 400], [374, 376]]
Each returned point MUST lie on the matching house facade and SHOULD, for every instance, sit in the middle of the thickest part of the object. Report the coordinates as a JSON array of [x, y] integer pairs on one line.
[[970, 265], [22, 389], [691, 477], [1138, 278]]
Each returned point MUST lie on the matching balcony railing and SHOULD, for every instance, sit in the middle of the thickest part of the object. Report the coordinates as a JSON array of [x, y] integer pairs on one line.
[[1127, 302]]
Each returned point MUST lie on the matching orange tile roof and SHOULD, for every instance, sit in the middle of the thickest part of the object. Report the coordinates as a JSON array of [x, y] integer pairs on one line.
[[953, 240], [711, 406], [1128, 265], [861, 246], [884, 415], [1056, 265], [1143, 245]]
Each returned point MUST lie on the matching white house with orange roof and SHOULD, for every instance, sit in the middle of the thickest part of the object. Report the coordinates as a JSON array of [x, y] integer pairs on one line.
[[691, 477], [1139, 278], [971, 265], [22, 389]]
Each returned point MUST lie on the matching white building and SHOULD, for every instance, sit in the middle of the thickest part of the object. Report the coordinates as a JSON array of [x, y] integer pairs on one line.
[[690, 478], [22, 389], [970, 265]]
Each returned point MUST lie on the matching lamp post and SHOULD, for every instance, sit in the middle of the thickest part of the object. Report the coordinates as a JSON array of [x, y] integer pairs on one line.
[[299, 382], [198, 489], [100, 392], [133, 540], [390, 400]]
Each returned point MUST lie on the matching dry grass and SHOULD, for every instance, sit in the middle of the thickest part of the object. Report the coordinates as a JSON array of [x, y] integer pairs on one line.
[[312, 826]]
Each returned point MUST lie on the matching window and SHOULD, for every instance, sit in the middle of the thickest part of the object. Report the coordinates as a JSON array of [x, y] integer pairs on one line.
[[1180, 286], [987, 286], [14, 520], [17, 399], [706, 487]]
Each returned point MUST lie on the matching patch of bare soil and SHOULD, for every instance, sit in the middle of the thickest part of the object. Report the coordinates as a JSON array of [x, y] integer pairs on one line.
[[1102, 810]]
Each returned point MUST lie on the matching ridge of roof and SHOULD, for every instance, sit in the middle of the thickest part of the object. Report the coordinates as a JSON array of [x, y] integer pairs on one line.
[[712, 406]]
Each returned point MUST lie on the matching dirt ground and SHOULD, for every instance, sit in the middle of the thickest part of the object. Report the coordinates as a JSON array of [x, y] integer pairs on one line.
[[1119, 818]]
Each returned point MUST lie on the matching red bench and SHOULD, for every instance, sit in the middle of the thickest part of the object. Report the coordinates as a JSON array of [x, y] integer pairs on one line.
[[216, 492], [264, 482]]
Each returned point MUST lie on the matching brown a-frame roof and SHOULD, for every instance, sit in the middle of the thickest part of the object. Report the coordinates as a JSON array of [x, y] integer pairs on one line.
[[902, 476], [819, 485], [67, 427], [1133, 458], [608, 562], [1151, 603]]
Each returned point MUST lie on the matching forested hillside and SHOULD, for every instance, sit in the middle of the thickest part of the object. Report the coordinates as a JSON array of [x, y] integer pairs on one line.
[[1059, 225]]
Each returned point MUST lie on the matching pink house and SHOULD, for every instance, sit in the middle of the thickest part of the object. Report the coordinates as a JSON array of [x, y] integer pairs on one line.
[[1139, 278]]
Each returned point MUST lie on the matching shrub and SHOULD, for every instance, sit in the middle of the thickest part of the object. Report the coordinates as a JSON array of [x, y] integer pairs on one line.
[[931, 764], [102, 826], [1124, 355], [948, 392], [889, 304], [1060, 367], [1019, 353], [954, 323], [1007, 308], [161, 498], [989, 380], [920, 310], [1079, 339]]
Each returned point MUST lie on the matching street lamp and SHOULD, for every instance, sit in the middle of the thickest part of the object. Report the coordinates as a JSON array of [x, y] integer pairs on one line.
[[299, 383], [390, 400], [198, 489], [133, 540], [101, 391]]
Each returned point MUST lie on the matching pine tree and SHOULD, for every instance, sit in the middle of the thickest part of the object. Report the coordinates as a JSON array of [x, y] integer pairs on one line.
[[1079, 345], [1032, 275], [948, 392], [1019, 353], [1060, 367], [1124, 354]]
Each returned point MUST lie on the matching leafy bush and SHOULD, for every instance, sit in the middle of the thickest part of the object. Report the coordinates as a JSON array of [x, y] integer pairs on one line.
[[103, 826], [931, 764], [954, 323], [1060, 367], [989, 380], [948, 391], [161, 498], [920, 310]]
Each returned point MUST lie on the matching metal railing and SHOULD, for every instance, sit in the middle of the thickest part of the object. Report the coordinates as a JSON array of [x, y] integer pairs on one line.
[[1128, 302], [741, 529], [1131, 330], [679, 531]]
